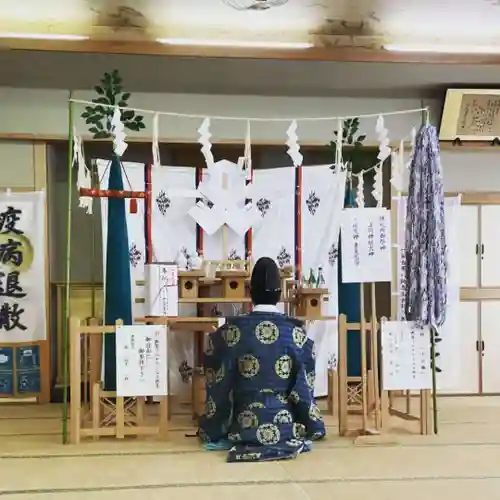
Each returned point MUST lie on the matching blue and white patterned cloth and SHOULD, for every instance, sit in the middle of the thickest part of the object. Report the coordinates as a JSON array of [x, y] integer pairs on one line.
[[426, 296], [260, 373]]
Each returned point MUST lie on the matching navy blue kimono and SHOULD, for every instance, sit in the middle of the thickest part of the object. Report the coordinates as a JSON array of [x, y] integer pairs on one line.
[[260, 374]]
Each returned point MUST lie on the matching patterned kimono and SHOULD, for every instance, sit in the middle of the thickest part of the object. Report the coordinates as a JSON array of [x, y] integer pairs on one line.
[[260, 373]]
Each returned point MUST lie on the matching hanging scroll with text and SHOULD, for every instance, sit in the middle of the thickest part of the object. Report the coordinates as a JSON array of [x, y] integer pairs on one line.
[[366, 245], [141, 360], [22, 267]]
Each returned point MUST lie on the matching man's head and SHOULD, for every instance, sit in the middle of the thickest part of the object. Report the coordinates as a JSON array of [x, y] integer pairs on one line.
[[265, 283]]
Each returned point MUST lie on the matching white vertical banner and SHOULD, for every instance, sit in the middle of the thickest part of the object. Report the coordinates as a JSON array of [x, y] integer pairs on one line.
[[273, 235], [448, 347], [323, 194], [173, 229], [173, 232], [133, 175], [23, 259], [366, 245], [141, 360]]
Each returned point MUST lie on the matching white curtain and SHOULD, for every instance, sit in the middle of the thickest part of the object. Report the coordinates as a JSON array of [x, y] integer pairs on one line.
[[133, 180], [323, 195], [174, 231], [274, 234], [449, 348]]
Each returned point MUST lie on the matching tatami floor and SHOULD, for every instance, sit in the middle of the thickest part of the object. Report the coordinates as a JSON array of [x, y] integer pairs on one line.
[[463, 462]]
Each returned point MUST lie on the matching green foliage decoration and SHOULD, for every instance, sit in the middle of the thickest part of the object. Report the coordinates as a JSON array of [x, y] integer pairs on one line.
[[110, 93], [350, 138]]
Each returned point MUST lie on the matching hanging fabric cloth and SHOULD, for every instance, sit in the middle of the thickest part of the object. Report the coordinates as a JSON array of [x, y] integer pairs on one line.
[[425, 245], [118, 300], [425, 249]]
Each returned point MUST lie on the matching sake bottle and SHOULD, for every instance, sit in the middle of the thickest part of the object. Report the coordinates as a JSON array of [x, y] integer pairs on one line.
[[312, 279], [321, 278]]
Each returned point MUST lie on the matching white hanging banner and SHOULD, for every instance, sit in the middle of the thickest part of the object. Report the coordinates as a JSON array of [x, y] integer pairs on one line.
[[162, 295], [141, 360], [366, 245], [405, 356], [22, 267]]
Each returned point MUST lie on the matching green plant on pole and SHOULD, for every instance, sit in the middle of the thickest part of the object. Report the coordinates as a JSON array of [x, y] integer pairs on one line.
[[110, 93]]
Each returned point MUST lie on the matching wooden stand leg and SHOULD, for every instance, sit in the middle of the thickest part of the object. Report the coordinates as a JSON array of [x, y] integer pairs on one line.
[[385, 415], [120, 417], [96, 408], [370, 391], [75, 381], [342, 376], [374, 351], [164, 411], [364, 375]]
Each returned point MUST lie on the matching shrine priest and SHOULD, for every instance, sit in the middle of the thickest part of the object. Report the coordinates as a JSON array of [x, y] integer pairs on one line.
[[260, 375]]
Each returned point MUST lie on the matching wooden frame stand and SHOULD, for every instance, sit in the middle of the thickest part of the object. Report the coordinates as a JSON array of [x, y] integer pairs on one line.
[[107, 414]]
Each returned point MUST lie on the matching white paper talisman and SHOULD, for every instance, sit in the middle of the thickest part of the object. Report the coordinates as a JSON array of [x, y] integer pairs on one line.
[[405, 356], [366, 245], [162, 295], [141, 360]]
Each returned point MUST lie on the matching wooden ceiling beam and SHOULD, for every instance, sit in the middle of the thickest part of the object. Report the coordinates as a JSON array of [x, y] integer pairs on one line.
[[338, 54]]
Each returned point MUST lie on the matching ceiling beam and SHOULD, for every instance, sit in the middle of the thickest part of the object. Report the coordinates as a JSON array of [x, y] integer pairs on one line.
[[339, 54]]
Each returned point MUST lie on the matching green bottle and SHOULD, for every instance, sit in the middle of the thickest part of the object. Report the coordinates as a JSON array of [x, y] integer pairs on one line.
[[312, 279]]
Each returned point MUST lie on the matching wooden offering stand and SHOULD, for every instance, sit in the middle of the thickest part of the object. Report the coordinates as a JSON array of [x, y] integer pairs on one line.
[[309, 301], [189, 283]]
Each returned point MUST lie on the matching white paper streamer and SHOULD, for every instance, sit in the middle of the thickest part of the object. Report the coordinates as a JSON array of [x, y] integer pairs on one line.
[[84, 179], [383, 139], [293, 145], [360, 191], [398, 168], [413, 140], [156, 146], [338, 146], [245, 161], [204, 140], [378, 187], [118, 132]]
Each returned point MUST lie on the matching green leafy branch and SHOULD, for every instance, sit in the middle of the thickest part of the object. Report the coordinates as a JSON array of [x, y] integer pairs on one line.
[[349, 137], [110, 94]]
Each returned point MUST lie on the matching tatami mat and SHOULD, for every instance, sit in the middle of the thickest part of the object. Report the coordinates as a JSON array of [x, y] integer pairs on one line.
[[461, 462]]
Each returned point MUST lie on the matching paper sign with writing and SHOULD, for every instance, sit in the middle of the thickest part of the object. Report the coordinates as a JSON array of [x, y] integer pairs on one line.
[[141, 360], [366, 245], [405, 356], [22, 267], [162, 296]]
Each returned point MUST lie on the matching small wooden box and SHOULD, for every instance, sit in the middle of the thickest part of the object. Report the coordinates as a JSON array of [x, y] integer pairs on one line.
[[189, 283], [310, 302], [233, 283]]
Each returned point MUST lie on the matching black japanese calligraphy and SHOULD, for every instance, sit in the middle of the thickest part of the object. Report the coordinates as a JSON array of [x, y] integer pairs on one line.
[[11, 252], [10, 317], [10, 286], [9, 220]]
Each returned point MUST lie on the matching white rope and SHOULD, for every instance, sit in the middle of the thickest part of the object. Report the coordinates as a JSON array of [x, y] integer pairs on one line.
[[241, 118]]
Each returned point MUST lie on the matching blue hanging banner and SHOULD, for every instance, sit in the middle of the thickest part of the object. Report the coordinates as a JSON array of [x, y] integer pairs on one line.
[[118, 295]]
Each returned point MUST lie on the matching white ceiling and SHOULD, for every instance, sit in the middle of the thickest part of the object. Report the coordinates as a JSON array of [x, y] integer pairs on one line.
[[453, 21], [240, 76]]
